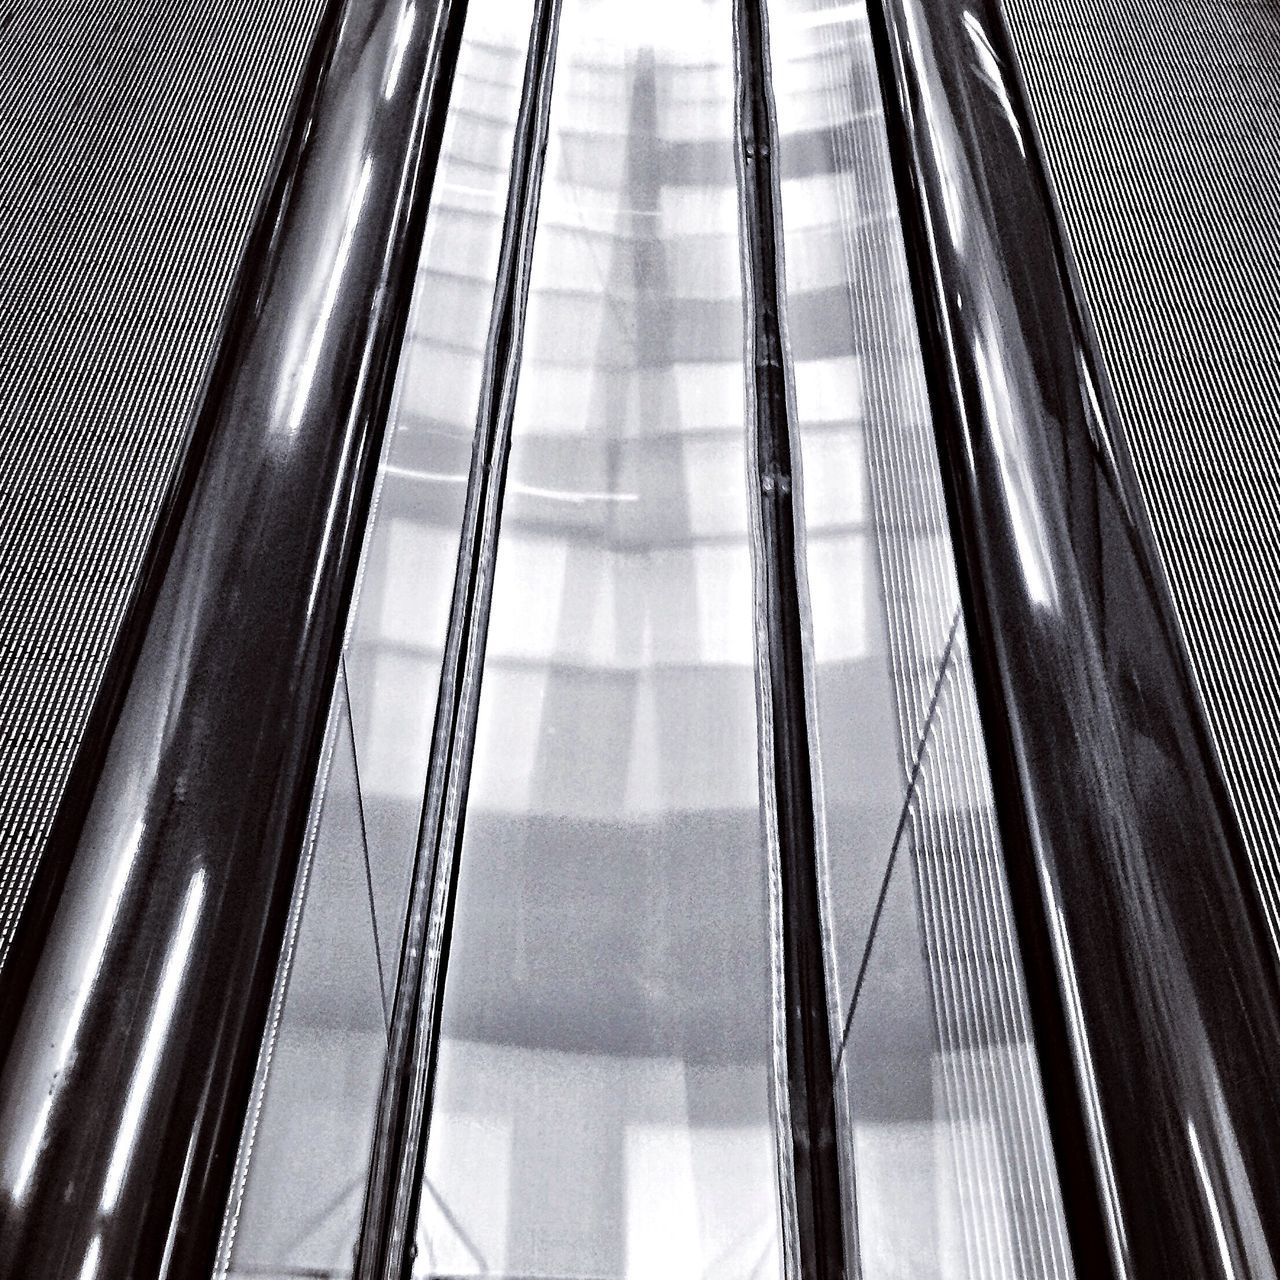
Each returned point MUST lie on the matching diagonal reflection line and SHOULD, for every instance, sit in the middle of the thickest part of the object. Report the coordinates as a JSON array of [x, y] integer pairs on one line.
[[447, 1214], [916, 766], [364, 845], [318, 1219]]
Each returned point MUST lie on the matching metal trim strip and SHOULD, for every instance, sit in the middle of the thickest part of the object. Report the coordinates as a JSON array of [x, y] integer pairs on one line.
[[816, 1204]]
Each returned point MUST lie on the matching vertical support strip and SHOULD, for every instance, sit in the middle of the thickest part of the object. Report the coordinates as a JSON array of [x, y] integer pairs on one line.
[[786, 767], [393, 1194]]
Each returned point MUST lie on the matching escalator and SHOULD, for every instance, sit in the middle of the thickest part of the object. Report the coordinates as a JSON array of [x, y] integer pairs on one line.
[[651, 737]]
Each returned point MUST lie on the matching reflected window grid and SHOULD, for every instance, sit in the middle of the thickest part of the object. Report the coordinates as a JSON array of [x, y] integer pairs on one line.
[[603, 1106]]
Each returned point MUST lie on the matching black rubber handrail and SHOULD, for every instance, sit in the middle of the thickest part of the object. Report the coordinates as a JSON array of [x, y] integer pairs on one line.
[[136, 1031], [1152, 982]]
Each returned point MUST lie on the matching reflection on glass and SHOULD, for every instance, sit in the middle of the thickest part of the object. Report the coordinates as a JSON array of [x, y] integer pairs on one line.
[[909, 1208], [938, 1091], [603, 1106], [300, 1183]]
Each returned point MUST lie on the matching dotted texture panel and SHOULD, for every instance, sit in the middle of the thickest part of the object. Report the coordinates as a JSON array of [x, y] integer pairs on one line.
[[1162, 126], [136, 144]]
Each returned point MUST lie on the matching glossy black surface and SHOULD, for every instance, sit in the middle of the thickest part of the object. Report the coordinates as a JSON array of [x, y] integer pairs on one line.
[[1153, 987], [121, 1092]]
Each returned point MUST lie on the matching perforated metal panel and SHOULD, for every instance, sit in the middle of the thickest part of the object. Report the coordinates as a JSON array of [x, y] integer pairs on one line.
[[136, 142], [1162, 126]]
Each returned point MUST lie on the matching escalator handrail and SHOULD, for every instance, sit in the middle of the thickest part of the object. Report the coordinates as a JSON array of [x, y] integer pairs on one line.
[[139, 1019], [1151, 976]]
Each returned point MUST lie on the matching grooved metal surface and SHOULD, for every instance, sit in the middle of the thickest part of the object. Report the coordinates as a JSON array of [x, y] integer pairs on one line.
[[1162, 128], [941, 938], [137, 141]]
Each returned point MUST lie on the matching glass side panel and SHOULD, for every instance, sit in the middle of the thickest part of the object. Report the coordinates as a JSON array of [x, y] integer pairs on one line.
[[941, 1104], [301, 1178], [603, 1106]]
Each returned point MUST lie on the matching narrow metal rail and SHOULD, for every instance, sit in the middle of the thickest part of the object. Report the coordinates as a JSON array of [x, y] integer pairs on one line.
[[140, 988], [1151, 977], [394, 1190], [785, 731]]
